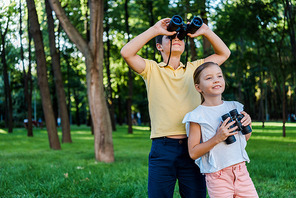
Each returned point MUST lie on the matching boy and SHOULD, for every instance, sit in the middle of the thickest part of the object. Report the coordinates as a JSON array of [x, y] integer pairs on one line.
[[171, 94]]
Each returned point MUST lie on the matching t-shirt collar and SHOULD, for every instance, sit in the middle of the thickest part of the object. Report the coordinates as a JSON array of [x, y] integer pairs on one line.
[[162, 64]]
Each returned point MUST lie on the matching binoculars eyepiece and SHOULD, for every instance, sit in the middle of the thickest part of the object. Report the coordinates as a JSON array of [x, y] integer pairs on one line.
[[235, 116], [177, 24]]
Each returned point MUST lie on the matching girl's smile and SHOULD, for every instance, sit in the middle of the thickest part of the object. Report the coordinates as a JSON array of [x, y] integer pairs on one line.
[[217, 87]]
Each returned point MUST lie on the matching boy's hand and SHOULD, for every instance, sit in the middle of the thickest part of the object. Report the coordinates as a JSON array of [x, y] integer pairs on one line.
[[224, 130], [200, 31], [246, 120], [161, 27]]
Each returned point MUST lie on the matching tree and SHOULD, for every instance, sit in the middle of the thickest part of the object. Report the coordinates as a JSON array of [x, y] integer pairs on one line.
[[130, 76], [93, 53], [107, 65], [7, 88], [27, 77], [42, 76], [55, 59]]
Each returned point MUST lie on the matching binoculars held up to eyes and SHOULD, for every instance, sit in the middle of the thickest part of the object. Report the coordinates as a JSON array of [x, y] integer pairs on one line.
[[235, 116], [177, 24]]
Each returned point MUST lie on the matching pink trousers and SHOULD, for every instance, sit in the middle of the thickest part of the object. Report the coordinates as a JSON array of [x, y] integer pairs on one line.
[[232, 181]]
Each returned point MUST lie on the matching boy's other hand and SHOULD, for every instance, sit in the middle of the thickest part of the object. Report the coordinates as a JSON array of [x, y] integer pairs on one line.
[[200, 31]]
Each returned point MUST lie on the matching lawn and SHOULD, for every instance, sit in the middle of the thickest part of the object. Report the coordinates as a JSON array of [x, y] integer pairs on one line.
[[28, 168]]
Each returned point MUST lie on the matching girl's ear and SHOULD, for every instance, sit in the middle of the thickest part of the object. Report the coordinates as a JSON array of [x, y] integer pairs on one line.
[[197, 88], [159, 47]]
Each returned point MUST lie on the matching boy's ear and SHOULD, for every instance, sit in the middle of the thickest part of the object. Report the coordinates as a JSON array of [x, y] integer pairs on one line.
[[159, 47], [197, 88]]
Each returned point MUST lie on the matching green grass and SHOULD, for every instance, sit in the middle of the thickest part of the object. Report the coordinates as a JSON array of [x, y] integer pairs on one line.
[[28, 168]]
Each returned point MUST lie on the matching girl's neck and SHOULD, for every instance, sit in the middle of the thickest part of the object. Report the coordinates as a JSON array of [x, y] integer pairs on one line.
[[213, 101]]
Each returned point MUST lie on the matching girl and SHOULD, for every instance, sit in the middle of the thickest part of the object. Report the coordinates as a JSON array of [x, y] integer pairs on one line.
[[223, 164]]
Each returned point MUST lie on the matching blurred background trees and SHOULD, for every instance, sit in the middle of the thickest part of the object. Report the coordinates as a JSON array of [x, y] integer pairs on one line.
[[260, 72]]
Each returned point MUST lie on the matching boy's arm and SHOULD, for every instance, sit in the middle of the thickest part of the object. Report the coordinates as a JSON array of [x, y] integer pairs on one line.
[[130, 50], [221, 50]]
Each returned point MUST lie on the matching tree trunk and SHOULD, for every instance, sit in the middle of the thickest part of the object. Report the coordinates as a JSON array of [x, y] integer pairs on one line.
[[7, 88], [291, 20], [76, 98], [119, 100], [109, 89], [66, 57], [206, 43], [284, 109], [93, 52], [130, 77], [282, 72], [192, 49], [151, 22], [30, 84], [42, 76], [26, 78], [55, 58], [261, 79]]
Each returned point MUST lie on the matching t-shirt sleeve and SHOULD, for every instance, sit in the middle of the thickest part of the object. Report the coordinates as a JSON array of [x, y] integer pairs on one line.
[[197, 63], [239, 106], [193, 116], [147, 70]]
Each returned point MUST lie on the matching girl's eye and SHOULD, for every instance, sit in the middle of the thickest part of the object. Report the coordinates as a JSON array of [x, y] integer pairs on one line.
[[220, 76], [208, 78]]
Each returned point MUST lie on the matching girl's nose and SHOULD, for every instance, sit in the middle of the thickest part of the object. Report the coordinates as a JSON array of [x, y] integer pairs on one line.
[[216, 80]]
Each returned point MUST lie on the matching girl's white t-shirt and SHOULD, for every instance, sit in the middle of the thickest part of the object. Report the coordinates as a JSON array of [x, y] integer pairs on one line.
[[222, 155]]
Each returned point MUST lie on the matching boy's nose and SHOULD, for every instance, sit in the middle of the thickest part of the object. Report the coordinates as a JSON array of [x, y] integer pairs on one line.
[[176, 38]]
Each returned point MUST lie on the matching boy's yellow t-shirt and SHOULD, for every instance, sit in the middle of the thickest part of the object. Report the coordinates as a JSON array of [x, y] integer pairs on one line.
[[171, 94]]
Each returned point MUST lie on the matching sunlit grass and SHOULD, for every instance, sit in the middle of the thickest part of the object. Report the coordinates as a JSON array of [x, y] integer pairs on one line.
[[3, 132], [278, 124], [28, 168]]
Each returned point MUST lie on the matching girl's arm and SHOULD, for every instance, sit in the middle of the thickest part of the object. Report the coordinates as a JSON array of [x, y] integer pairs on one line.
[[197, 149]]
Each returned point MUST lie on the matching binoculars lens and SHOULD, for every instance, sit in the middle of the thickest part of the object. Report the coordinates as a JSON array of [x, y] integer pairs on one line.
[[230, 139], [197, 21], [177, 20], [177, 24]]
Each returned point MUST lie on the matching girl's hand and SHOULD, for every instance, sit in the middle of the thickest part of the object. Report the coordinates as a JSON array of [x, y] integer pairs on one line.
[[161, 27], [200, 31], [246, 120], [224, 130]]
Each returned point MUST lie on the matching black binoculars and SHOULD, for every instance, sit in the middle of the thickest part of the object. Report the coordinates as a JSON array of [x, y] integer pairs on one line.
[[182, 29], [235, 116]]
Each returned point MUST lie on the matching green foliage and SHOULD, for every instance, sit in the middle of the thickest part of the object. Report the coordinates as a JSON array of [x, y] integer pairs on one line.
[[261, 62], [255, 31], [28, 168]]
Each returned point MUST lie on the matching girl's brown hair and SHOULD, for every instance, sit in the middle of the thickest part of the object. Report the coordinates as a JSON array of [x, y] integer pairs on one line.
[[197, 73]]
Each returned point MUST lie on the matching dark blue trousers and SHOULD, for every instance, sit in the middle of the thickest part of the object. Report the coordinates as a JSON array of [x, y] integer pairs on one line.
[[169, 160]]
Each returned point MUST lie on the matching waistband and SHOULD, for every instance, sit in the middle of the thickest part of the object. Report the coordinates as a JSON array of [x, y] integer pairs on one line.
[[170, 140]]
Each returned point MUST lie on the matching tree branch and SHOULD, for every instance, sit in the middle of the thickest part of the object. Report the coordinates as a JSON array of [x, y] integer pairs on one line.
[[70, 30]]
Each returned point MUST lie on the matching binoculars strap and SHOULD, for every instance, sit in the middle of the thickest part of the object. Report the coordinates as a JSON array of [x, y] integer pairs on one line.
[[186, 47], [171, 40]]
